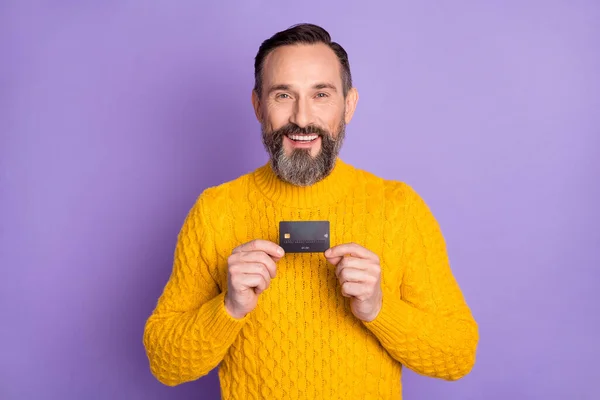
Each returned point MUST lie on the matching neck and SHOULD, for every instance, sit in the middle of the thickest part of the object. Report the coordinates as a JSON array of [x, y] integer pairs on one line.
[[329, 189]]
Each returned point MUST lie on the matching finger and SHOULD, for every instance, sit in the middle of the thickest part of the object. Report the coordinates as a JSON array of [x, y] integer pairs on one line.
[[353, 289], [351, 249], [340, 259], [353, 275], [260, 257], [268, 247], [251, 268], [350, 262], [256, 282], [334, 260]]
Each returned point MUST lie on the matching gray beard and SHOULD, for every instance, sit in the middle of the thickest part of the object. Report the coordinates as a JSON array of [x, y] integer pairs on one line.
[[300, 168]]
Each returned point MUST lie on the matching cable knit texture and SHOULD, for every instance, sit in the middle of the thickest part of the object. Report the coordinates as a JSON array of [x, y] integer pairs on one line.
[[302, 340]]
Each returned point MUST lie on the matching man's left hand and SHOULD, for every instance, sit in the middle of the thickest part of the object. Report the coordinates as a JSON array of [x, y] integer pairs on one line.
[[359, 273]]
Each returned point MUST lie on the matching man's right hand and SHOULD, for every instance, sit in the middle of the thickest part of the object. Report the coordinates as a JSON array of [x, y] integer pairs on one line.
[[251, 266]]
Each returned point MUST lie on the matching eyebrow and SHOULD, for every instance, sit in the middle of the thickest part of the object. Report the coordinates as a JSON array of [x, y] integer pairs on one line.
[[324, 85]]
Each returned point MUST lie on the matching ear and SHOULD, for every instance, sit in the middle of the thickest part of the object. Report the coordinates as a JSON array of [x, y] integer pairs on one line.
[[256, 106], [351, 101]]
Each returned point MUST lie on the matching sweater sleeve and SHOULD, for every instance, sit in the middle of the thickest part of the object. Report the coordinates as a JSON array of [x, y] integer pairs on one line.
[[426, 325], [190, 331]]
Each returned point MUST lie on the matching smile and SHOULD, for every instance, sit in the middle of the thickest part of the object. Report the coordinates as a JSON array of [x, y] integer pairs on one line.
[[302, 138]]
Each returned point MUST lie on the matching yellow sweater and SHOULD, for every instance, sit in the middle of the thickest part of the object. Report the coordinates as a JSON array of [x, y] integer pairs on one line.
[[302, 340]]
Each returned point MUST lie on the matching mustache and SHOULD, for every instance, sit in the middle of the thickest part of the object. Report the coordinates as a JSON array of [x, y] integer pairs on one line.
[[293, 129]]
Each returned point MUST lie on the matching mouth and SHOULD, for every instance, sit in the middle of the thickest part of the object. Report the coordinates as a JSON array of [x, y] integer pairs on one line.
[[303, 138]]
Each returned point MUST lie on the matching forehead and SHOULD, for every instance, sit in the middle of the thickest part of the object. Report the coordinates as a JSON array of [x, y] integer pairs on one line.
[[302, 65]]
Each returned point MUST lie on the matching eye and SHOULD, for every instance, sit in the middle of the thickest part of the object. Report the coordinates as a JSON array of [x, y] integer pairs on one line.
[[283, 96], [322, 95]]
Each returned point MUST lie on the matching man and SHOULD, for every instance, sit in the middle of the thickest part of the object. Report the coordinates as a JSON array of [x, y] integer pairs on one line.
[[338, 324]]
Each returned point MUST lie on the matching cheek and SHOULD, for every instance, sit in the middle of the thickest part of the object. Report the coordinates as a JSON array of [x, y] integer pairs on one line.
[[330, 116], [334, 124], [276, 116]]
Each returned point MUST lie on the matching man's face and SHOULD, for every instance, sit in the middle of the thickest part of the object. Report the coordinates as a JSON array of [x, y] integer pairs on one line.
[[303, 111]]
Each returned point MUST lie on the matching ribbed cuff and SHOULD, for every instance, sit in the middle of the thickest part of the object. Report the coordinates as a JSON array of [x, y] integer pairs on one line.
[[395, 320], [219, 323]]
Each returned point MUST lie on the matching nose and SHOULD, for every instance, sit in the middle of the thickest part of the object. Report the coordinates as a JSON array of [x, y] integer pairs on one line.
[[302, 115]]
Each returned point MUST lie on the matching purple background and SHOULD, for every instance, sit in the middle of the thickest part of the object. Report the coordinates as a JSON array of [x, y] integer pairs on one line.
[[115, 115]]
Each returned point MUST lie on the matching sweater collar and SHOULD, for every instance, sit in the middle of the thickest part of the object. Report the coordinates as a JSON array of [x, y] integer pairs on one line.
[[330, 189]]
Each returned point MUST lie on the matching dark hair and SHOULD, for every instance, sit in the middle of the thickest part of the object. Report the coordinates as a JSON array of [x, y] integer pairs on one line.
[[301, 34]]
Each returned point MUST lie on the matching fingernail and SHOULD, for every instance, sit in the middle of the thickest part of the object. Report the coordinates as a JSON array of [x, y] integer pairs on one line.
[[280, 251], [327, 252]]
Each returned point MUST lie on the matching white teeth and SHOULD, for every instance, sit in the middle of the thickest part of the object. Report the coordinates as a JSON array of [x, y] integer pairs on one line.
[[303, 138]]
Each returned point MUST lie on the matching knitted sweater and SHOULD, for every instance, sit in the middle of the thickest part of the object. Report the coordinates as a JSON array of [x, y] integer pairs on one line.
[[302, 340]]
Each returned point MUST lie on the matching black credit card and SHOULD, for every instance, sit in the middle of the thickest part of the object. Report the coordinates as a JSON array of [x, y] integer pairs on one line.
[[304, 236]]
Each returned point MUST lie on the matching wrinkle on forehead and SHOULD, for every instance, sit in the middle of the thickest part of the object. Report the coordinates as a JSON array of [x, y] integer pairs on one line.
[[302, 67]]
